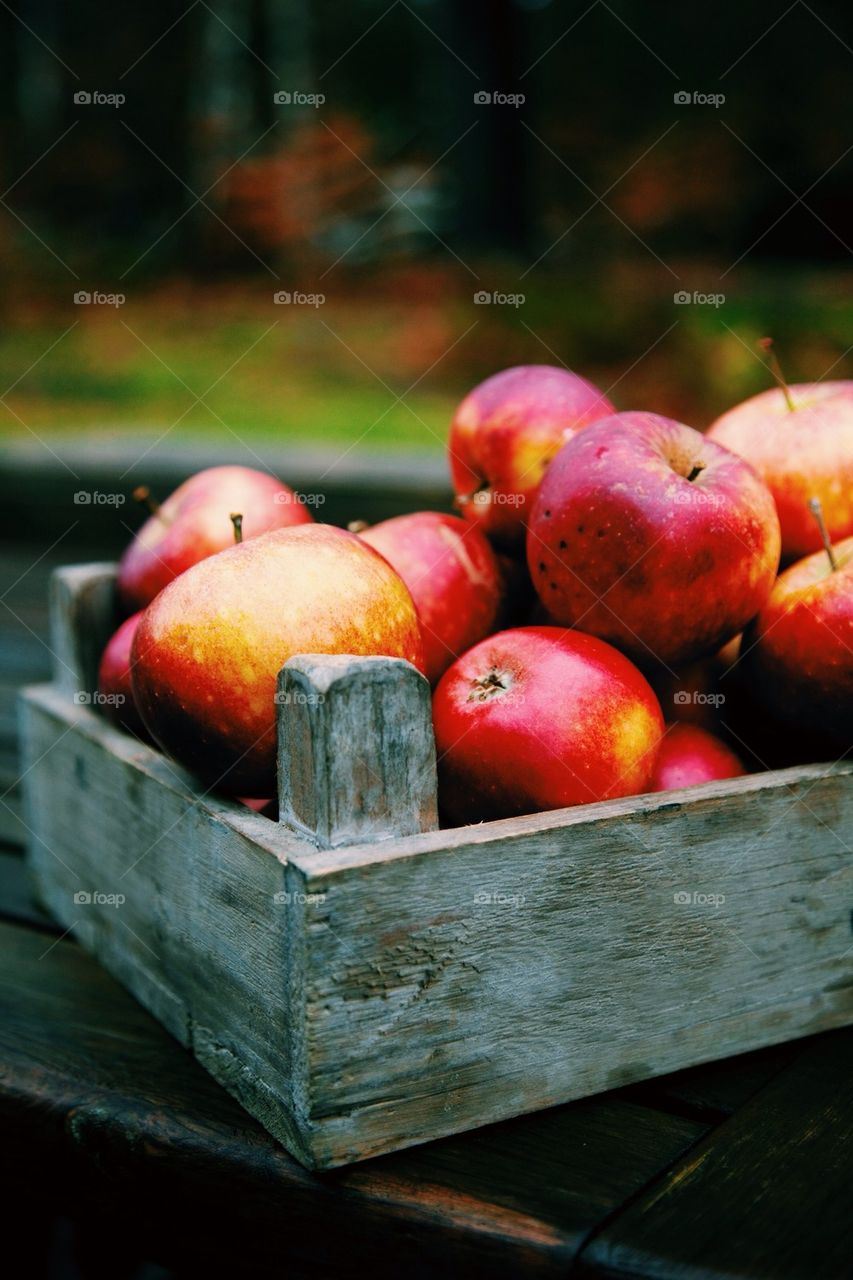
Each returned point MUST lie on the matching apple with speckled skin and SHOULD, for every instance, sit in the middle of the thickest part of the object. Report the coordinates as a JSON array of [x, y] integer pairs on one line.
[[798, 652], [208, 649], [540, 718], [114, 681], [652, 537], [194, 522], [454, 578], [802, 447], [689, 755], [504, 434]]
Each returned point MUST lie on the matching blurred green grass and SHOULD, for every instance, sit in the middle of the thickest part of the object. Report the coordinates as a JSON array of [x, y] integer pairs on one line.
[[224, 361]]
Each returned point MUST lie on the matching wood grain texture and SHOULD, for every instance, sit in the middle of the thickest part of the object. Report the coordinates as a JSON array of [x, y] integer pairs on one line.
[[356, 753], [533, 961], [100, 1106], [767, 1195], [82, 619], [449, 979]]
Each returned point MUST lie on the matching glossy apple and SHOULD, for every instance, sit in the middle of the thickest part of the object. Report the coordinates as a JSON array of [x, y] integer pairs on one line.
[[802, 453], [688, 755], [454, 578], [798, 652], [654, 538], [504, 434], [538, 718], [209, 648], [194, 522], [114, 683]]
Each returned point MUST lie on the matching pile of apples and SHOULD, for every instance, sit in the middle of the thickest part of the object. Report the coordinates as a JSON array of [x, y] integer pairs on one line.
[[604, 565]]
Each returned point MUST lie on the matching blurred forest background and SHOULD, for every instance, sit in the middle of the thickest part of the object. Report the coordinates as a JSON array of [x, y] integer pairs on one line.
[[399, 196]]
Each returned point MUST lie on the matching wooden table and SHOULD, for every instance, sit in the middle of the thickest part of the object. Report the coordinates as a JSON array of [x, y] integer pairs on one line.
[[116, 1140]]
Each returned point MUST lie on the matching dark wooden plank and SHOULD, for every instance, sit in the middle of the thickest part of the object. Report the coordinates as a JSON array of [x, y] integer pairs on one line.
[[716, 1089], [95, 1091], [17, 901], [766, 1195]]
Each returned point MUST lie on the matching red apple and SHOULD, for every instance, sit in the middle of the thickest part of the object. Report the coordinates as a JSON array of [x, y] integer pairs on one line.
[[454, 578], [689, 755], [654, 538], [209, 649], [115, 691], [801, 453], [539, 718], [194, 523], [504, 434], [798, 653]]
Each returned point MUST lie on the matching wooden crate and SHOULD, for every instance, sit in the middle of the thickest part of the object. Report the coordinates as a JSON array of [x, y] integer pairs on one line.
[[361, 981]]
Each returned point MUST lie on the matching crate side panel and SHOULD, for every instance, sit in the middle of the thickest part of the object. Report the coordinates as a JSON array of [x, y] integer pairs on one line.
[[190, 915], [489, 979]]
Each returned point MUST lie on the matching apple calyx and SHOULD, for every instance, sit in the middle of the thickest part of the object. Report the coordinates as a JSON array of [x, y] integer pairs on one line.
[[766, 345], [357, 526], [142, 495], [493, 683], [237, 521], [817, 511]]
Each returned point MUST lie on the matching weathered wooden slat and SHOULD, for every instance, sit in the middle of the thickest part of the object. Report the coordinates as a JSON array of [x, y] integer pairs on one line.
[[765, 1172], [82, 618], [94, 1089], [356, 753]]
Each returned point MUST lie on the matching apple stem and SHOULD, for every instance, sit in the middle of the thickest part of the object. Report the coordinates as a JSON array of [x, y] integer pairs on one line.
[[775, 368], [698, 468], [357, 526], [237, 521], [142, 495], [817, 511]]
